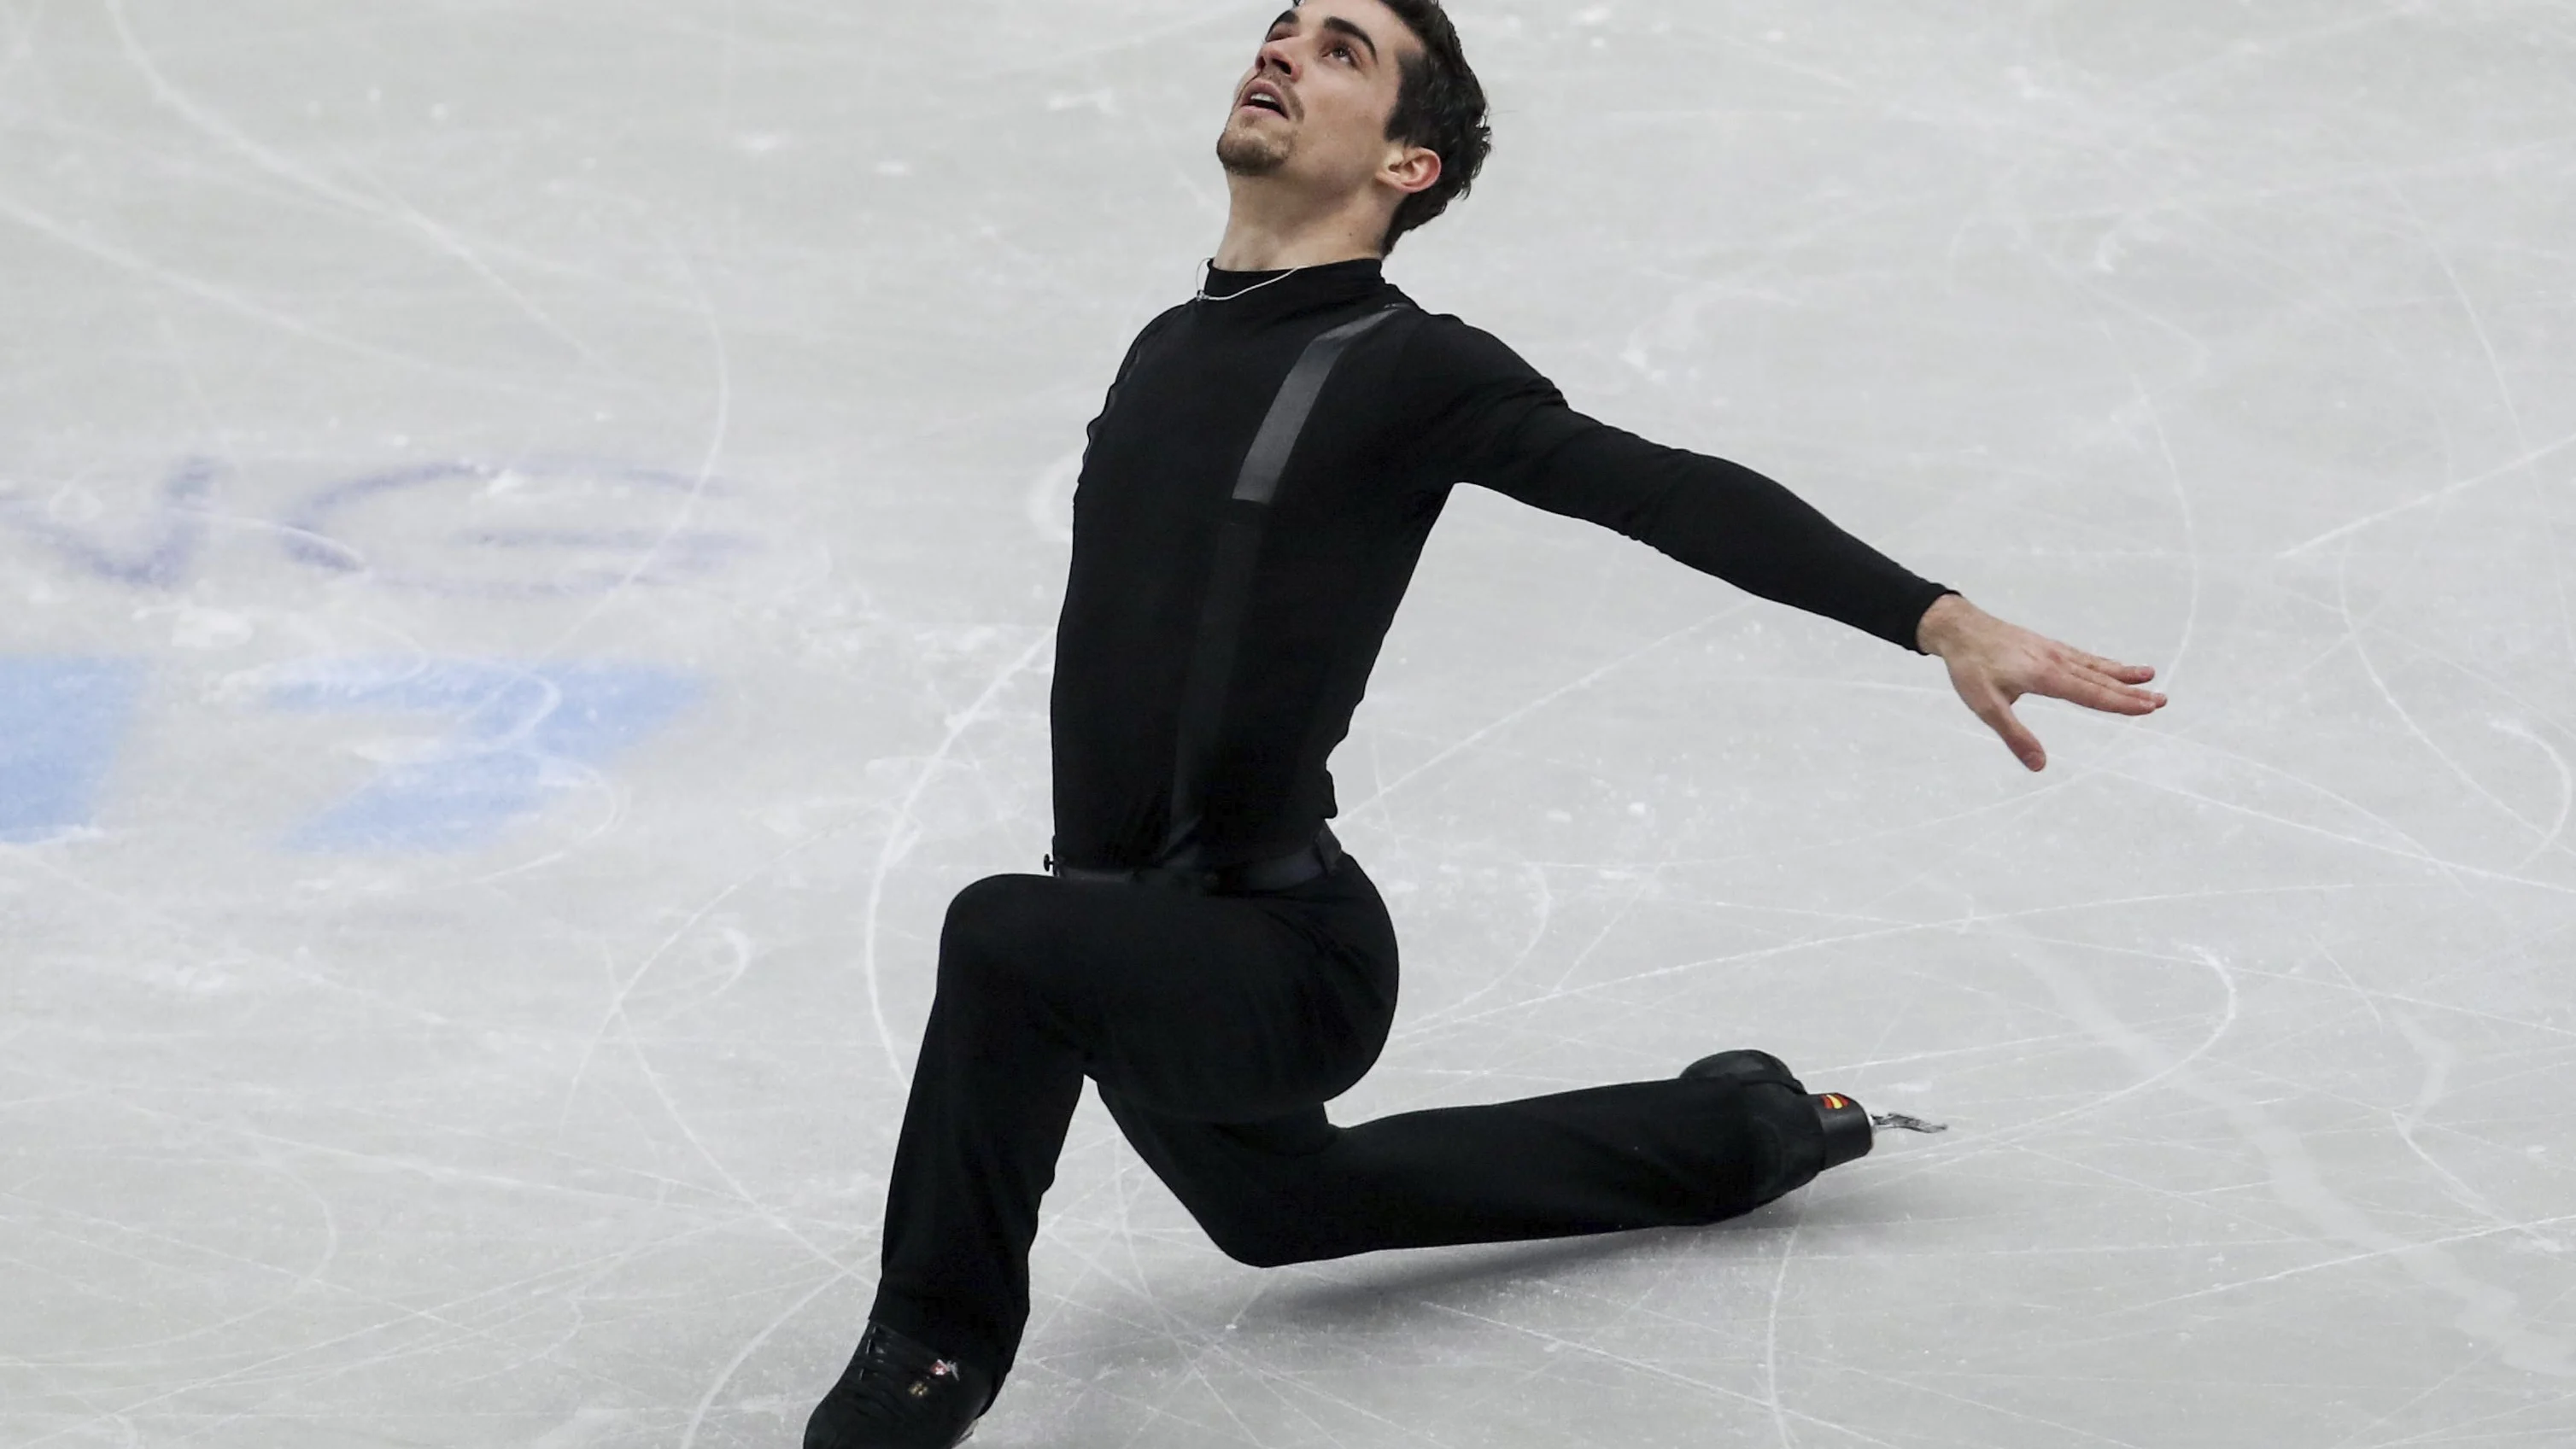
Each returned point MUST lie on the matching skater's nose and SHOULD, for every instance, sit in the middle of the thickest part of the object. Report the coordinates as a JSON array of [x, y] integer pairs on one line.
[[1275, 58]]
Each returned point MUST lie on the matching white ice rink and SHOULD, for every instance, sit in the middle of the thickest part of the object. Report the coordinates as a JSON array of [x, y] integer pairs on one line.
[[528, 541]]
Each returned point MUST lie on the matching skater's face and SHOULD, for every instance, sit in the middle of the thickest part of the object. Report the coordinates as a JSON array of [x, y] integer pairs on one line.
[[1313, 109]]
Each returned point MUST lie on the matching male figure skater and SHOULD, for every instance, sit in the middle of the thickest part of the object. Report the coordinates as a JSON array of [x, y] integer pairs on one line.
[[1257, 489]]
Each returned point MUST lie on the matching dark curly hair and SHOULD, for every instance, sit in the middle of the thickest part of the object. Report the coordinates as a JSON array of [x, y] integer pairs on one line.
[[1439, 106]]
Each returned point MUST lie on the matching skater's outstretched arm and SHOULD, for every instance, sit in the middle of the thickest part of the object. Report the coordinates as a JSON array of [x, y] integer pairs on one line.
[[1491, 419], [1508, 428]]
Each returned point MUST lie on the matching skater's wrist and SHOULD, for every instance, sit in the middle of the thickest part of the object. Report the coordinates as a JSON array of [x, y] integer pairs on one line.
[[1944, 624]]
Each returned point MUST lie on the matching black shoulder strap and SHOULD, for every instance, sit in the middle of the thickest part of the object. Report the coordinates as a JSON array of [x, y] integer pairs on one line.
[[1238, 545]]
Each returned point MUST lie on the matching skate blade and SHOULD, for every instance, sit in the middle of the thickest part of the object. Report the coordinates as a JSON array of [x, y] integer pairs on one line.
[[1898, 1121]]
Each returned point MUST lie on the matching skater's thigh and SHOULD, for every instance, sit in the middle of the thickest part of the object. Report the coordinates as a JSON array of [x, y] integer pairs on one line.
[[1215, 1166], [1216, 1008]]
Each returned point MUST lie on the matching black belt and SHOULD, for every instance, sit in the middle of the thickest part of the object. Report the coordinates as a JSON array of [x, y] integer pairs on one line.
[[1281, 872]]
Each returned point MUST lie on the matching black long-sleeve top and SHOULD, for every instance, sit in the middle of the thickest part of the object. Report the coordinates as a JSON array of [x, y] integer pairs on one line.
[[1417, 405]]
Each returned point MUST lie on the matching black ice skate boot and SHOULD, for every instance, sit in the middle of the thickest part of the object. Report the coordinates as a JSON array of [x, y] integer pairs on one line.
[[896, 1394], [1846, 1123]]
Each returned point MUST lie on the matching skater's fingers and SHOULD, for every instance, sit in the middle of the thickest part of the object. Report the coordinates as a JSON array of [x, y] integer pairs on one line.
[[2125, 673], [2111, 699], [2095, 690], [2000, 718]]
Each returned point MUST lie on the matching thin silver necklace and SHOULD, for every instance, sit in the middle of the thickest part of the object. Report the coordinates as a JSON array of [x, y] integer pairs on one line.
[[1210, 266]]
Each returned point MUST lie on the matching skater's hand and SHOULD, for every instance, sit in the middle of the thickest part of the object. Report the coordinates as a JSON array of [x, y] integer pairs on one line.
[[1993, 663]]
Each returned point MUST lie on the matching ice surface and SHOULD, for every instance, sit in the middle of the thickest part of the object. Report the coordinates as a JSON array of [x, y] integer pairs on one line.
[[528, 535]]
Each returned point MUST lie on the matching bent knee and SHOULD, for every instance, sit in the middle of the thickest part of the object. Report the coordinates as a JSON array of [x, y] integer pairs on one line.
[[993, 923], [1268, 1232], [1260, 1248]]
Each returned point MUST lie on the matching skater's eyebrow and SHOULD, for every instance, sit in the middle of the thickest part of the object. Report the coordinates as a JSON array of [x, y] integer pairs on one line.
[[1333, 24]]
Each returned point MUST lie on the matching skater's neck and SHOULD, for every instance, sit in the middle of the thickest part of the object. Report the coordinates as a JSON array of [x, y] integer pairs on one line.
[[1269, 230]]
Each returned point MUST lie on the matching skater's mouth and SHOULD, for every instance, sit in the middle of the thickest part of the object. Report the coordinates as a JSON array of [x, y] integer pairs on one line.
[[1262, 95]]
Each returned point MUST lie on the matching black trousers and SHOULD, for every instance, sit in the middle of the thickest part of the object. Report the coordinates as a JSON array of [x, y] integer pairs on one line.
[[1216, 1027]]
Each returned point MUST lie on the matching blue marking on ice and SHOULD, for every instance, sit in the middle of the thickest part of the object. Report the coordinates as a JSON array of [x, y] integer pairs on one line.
[[524, 733], [61, 720]]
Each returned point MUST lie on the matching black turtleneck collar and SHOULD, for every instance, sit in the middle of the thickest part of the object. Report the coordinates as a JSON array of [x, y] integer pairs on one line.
[[1295, 286]]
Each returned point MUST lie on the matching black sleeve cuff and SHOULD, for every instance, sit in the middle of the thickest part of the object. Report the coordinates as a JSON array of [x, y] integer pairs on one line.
[[1912, 615]]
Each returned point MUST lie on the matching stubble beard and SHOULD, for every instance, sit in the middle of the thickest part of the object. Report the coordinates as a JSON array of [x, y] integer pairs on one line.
[[1243, 150]]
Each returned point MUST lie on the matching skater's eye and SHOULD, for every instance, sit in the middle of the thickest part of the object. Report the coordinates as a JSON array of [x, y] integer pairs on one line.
[[1349, 40]]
